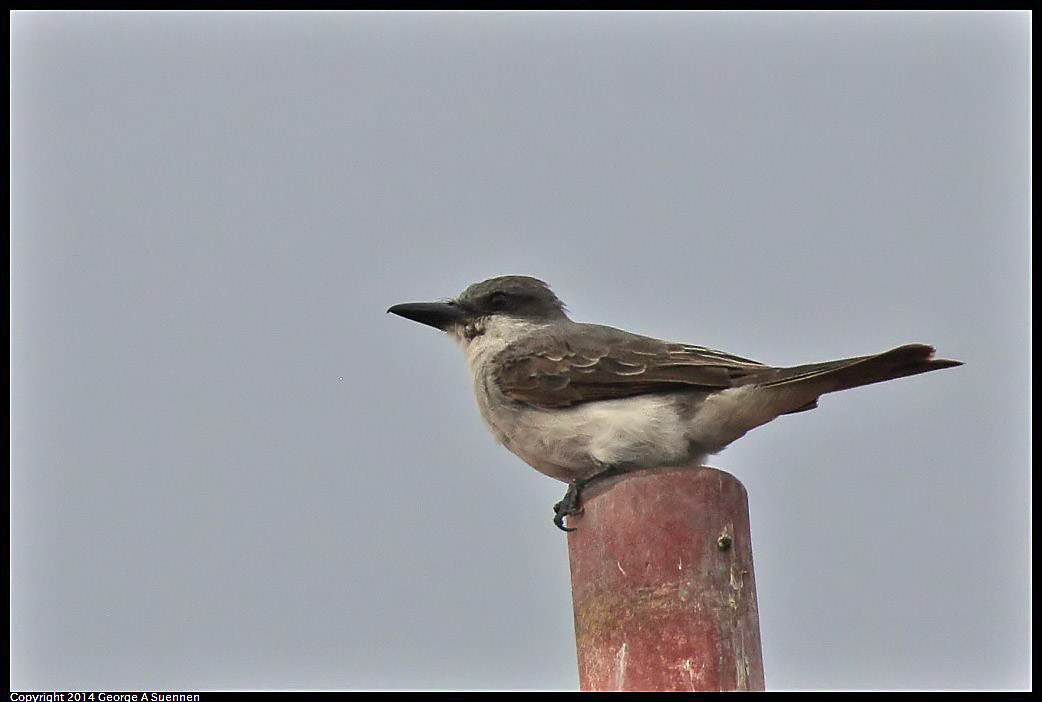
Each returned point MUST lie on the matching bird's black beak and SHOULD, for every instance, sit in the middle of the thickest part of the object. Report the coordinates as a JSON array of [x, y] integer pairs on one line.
[[441, 315]]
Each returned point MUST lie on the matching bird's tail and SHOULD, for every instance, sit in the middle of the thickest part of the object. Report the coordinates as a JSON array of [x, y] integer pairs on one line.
[[831, 376]]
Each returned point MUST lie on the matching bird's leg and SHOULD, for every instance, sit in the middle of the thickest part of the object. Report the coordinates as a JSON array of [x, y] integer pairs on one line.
[[570, 503]]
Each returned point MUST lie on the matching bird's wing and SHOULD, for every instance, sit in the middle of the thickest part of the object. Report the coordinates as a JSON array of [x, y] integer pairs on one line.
[[594, 362]]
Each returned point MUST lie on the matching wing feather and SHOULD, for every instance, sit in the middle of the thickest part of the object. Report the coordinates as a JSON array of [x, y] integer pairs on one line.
[[602, 363]]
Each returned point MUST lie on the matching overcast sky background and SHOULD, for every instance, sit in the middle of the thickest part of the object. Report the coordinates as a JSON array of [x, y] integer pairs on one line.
[[232, 470]]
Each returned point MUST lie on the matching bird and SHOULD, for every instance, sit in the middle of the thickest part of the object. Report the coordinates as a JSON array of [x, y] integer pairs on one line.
[[580, 402]]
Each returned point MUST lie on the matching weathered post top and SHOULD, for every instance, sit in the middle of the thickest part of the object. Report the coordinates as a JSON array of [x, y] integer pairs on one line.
[[662, 583]]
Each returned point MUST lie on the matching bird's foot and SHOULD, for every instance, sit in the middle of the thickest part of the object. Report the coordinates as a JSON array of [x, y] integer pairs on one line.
[[569, 505]]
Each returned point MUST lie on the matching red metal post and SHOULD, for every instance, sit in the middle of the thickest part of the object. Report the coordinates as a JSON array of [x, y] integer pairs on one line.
[[662, 583]]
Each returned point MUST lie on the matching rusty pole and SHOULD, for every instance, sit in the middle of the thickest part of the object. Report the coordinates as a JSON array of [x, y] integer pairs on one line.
[[662, 583]]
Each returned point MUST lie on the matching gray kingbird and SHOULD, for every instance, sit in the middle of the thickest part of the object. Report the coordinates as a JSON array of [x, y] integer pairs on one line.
[[581, 401]]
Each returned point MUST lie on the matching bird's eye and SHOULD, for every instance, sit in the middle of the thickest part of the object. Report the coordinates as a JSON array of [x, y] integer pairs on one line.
[[497, 300]]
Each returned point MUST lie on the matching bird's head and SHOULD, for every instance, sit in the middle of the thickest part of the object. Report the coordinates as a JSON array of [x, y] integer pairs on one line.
[[508, 297]]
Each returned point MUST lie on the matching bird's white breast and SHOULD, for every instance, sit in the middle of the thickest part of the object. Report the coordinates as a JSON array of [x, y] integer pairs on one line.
[[571, 442]]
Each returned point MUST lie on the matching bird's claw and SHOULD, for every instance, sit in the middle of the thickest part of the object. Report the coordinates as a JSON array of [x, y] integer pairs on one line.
[[569, 505]]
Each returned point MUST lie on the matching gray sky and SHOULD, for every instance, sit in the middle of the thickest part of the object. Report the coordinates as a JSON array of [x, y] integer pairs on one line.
[[231, 469]]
